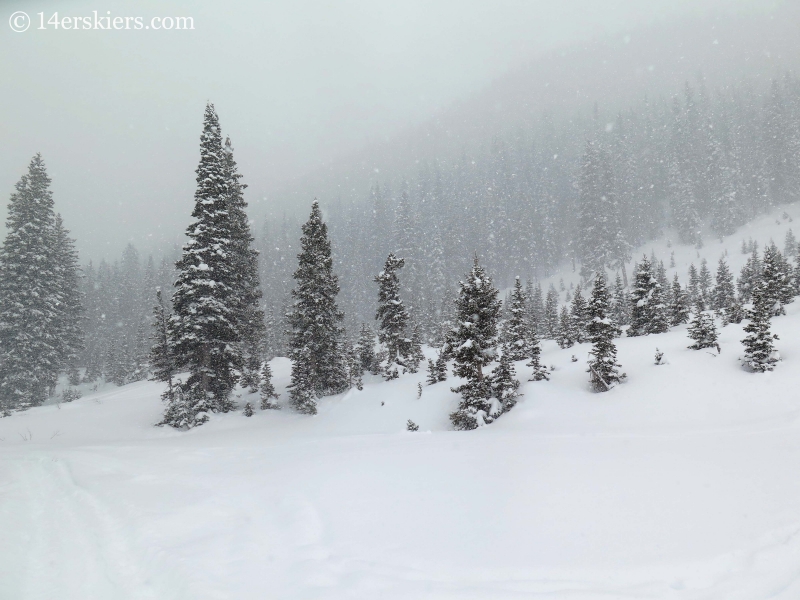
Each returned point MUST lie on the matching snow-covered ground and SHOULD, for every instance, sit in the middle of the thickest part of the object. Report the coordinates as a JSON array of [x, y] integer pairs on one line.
[[683, 482]]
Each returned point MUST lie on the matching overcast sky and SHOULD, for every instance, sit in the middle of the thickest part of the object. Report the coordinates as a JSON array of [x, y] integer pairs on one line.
[[117, 114]]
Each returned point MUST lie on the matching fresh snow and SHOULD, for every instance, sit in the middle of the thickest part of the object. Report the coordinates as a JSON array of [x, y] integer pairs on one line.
[[678, 484]]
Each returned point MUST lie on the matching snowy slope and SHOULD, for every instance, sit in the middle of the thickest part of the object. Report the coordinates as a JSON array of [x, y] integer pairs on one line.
[[681, 483]]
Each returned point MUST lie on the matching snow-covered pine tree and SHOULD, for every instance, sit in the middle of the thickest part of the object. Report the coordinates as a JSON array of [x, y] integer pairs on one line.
[[315, 343], [704, 284], [163, 363], [577, 313], [392, 317], [69, 330], [693, 289], [759, 349], [679, 309], [354, 369], [30, 356], [432, 373], [268, 394], [703, 331], [535, 307], [603, 367], [551, 314], [204, 306], [724, 294], [648, 311], [663, 283], [778, 280], [415, 354], [366, 348], [515, 329], [248, 410], [503, 384], [474, 342], [565, 334], [535, 350], [749, 276], [621, 303], [246, 286], [789, 244]]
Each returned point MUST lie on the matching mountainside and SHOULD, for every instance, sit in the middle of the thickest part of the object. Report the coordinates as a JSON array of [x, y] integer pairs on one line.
[[678, 483]]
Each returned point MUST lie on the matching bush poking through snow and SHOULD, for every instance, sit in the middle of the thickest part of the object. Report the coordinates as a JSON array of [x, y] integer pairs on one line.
[[248, 410], [70, 394], [411, 426], [660, 360]]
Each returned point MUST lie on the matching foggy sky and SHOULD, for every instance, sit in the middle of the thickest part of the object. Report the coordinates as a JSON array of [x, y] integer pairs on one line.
[[117, 114]]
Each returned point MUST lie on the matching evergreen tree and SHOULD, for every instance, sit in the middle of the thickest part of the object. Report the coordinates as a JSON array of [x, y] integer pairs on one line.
[[551, 314], [703, 331], [679, 309], [759, 349], [246, 286], [68, 327], [535, 349], [204, 326], [248, 410], [603, 367], [704, 285], [565, 335], [318, 367], [515, 330], [474, 346], [163, 362], [789, 244], [648, 311], [504, 385], [693, 290], [30, 319], [778, 280], [724, 294], [415, 354], [392, 317], [749, 277], [621, 303], [437, 370], [577, 313], [535, 307], [366, 348], [268, 394]]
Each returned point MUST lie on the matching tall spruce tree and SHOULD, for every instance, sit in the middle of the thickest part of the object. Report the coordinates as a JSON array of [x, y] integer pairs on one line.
[[724, 294], [474, 342], [679, 309], [577, 313], [392, 318], [246, 286], [316, 345], [204, 325], [69, 322], [30, 317], [759, 348], [603, 367], [515, 330], [648, 311]]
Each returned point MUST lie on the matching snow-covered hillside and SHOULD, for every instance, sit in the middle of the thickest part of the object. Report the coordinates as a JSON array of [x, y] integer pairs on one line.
[[680, 483]]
